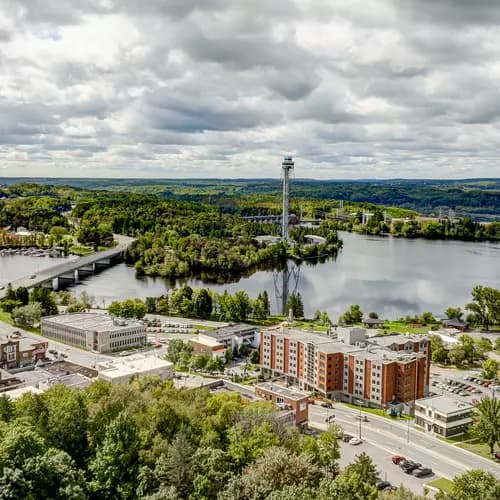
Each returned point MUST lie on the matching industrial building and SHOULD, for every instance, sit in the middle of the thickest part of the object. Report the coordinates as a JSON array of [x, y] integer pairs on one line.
[[350, 366], [94, 331], [122, 370]]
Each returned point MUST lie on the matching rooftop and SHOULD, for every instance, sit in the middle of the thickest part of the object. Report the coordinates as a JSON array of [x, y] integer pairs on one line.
[[230, 330], [91, 321], [445, 404], [207, 341], [17, 393], [132, 365], [387, 340], [283, 391]]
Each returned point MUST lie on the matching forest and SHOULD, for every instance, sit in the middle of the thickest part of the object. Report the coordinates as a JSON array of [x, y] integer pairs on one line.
[[148, 440]]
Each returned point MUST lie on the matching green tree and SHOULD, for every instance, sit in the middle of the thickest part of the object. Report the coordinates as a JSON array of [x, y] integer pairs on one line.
[[438, 349], [373, 315], [203, 304], [22, 295], [245, 445], [178, 463], [457, 355], [454, 312], [177, 348], [276, 469], [347, 486], [296, 305], [6, 408], [162, 305], [497, 344], [490, 368], [19, 443], [487, 424], [364, 467], [46, 300], [475, 484], [352, 315], [114, 467], [27, 315], [255, 357], [485, 306], [150, 303], [211, 471], [329, 448]]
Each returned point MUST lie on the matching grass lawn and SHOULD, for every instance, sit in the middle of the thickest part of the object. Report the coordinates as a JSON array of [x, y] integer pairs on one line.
[[481, 449], [7, 318], [442, 484], [376, 411], [402, 327]]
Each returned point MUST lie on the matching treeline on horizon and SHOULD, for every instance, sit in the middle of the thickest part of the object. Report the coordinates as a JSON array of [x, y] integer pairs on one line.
[[475, 197]]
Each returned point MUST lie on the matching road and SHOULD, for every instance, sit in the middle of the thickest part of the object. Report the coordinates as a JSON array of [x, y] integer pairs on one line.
[[397, 438], [69, 266]]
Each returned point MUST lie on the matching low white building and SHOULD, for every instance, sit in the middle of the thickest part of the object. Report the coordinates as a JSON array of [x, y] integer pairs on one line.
[[203, 344], [122, 370], [95, 331], [232, 336], [443, 415]]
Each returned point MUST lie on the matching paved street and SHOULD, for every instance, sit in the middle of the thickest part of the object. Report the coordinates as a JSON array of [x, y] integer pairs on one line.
[[393, 438]]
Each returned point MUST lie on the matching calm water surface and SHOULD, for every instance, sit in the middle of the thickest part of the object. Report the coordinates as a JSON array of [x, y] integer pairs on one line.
[[394, 277]]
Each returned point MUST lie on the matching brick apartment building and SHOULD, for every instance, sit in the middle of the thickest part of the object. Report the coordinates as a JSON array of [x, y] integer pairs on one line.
[[17, 351], [349, 365]]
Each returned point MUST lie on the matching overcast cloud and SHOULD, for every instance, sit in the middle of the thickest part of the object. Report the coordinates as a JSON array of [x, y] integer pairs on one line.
[[225, 88]]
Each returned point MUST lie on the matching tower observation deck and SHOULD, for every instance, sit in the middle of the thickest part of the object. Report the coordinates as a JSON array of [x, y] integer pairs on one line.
[[287, 165]]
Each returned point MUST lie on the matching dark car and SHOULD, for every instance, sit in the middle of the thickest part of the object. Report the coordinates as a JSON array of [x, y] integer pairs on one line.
[[327, 405], [409, 466], [346, 438], [422, 472], [382, 485]]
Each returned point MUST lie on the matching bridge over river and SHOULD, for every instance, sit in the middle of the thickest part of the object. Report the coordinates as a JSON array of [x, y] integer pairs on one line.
[[71, 271]]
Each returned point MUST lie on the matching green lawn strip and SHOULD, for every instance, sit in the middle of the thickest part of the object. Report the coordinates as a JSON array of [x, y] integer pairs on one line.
[[481, 449], [402, 327], [441, 484], [201, 328], [7, 318], [376, 411]]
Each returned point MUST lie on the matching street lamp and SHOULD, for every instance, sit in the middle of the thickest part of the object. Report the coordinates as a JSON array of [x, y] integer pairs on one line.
[[360, 417]]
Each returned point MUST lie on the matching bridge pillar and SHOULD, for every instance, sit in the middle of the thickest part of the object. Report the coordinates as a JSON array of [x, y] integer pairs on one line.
[[55, 284], [76, 275], [103, 262]]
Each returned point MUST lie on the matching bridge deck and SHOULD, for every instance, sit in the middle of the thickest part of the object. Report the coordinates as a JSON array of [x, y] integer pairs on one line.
[[69, 266]]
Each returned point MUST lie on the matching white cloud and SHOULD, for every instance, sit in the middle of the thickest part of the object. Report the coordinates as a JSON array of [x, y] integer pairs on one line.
[[224, 88]]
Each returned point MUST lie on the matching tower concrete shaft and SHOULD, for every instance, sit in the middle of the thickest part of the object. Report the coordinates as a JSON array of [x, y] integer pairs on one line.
[[286, 165]]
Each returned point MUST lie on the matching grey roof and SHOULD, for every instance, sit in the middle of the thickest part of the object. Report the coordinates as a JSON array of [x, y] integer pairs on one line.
[[283, 391], [373, 321], [455, 322], [445, 404], [230, 330], [92, 321]]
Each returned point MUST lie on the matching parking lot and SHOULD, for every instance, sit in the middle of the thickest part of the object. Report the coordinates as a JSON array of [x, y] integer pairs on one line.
[[466, 386]]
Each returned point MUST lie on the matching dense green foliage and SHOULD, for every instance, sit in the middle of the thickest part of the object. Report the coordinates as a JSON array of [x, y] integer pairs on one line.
[[177, 239]]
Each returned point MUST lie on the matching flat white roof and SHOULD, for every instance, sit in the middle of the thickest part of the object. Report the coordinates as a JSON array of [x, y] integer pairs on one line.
[[444, 404], [208, 341], [132, 365], [92, 321]]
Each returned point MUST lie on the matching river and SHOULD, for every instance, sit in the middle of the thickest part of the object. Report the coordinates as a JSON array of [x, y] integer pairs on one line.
[[391, 276]]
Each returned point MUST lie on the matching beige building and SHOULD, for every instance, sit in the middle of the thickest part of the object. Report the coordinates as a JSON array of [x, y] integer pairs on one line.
[[94, 331], [119, 371], [203, 344], [443, 415]]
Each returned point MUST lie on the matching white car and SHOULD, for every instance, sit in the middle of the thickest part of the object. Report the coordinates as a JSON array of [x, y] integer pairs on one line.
[[355, 441]]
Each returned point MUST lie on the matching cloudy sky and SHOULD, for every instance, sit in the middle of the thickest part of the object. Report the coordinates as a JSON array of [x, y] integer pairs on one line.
[[225, 88]]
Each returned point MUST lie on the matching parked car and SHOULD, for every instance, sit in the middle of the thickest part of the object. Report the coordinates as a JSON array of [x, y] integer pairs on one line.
[[355, 441], [396, 459], [409, 466], [326, 405], [382, 485], [347, 437], [422, 472]]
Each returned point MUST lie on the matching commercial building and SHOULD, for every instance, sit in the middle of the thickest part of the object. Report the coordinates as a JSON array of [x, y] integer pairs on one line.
[[94, 331], [348, 365], [285, 398], [203, 344], [17, 351], [234, 335], [123, 370], [443, 415]]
